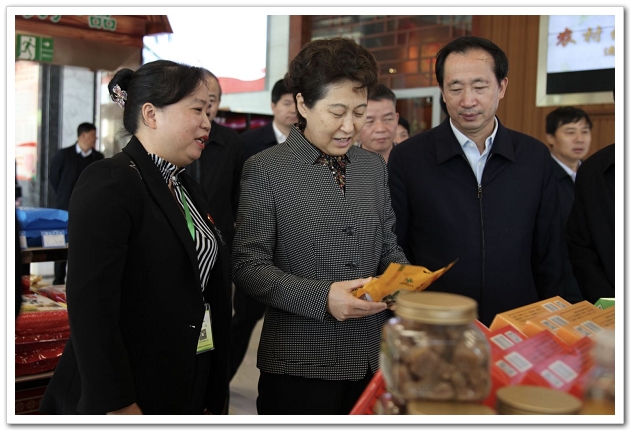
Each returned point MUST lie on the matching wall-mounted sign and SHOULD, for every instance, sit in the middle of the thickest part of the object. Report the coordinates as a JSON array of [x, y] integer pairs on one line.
[[33, 48]]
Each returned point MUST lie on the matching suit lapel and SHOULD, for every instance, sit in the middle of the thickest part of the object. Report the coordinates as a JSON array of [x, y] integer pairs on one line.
[[158, 189]]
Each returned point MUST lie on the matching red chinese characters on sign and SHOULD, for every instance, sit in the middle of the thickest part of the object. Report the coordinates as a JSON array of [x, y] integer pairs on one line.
[[565, 38]]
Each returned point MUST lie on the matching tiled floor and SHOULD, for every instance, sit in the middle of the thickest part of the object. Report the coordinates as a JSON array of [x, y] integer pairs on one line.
[[244, 386]]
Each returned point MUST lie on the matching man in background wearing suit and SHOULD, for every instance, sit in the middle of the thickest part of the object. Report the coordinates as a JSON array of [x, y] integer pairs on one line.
[[591, 226], [247, 311], [379, 132], [284, 116], [219, 168], [65, 169], [568, 132]]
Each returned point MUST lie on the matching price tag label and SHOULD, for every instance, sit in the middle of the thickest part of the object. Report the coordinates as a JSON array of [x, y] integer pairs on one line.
[[53, 239]]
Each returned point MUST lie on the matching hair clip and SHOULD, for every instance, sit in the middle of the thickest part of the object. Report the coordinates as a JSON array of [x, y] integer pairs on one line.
[[119, 96]]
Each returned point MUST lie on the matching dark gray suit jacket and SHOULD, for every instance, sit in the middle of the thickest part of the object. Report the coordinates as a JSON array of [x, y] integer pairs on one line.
[[296, 234]]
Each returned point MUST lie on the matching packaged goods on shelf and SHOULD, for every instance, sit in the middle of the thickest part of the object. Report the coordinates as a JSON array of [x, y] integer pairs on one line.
[[562, 371], [605, 302], [35, 221], [56, 293], [510, 366], [604, 319], [519, 316], [554, 320], [41, 333]]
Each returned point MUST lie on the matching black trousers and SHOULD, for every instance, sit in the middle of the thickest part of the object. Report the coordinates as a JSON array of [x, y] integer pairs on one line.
[[247, 312], [295, 395]]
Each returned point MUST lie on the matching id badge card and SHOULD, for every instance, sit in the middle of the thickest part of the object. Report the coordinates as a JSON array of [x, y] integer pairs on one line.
[[205, 336]]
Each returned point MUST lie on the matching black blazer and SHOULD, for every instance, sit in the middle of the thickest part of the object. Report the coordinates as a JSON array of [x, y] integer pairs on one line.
[[591, 226], [565, 202], [218, 170], [135, 302], [258, 139], [65, 169]]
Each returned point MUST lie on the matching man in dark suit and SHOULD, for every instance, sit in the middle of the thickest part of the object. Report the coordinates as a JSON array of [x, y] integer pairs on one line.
[[284, 116], [65, 169], [568, 132], [219, 168], [473, 189], [591, 226], [247, 311]]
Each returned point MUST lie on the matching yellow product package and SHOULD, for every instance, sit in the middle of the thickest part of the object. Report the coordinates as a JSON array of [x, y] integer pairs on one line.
[[396, 278]]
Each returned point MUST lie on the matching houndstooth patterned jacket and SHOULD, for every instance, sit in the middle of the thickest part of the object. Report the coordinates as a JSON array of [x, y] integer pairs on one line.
[[297, 233]]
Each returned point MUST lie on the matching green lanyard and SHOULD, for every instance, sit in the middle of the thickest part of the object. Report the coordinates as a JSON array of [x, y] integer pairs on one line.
[[189, 221]]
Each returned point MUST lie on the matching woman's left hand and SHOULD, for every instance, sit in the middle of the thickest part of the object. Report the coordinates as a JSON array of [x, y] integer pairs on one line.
[[343, 305]]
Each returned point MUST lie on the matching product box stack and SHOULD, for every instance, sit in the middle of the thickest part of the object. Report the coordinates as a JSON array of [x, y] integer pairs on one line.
[[547, 344], [37, 223], [41, 333]]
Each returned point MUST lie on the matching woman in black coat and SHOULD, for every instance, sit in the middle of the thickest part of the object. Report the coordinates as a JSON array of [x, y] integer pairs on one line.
[[148, 283]]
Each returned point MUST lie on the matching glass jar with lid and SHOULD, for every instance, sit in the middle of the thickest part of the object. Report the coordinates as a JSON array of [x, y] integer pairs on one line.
[[599, 395], [432, 350]]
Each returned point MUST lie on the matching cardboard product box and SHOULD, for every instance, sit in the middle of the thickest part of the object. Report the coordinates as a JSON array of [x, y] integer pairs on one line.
[[519, 316], [574, 331], [482, 327], [554, 320], [503, 339], [604, 303], [39, 222], [565, 370], [509, 366]]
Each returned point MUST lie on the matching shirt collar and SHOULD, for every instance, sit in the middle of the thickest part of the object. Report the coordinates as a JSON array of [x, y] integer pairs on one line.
[[167, 169], [567, 169], [280, 137], [82, 152], [463, 139]]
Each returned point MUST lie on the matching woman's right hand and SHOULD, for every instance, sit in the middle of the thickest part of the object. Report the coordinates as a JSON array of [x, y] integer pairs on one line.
[[343, 305], [132, 409]]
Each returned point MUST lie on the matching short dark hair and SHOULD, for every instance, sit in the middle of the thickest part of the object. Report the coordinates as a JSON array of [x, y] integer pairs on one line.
[[466, 43], [403, 121], [382, 92], [564, 115], [323, 62], [213, 76], [278, 91], [85, 127], [160, 82]]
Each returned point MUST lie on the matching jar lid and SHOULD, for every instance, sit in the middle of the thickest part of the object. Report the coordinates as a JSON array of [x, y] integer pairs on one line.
[[448, 408], [532, 400], [434, 307]]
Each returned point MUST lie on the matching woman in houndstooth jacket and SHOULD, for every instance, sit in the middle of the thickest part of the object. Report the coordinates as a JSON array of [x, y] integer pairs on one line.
[[315, 222]]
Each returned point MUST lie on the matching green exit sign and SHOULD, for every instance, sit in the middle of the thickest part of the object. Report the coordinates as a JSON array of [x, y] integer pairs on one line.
[[34, 48]]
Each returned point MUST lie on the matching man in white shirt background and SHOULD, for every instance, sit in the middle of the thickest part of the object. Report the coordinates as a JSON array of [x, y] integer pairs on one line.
[[568, 132]]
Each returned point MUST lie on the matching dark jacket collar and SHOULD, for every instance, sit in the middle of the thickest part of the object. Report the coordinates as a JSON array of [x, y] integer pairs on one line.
[[157, 187], [447, 146]]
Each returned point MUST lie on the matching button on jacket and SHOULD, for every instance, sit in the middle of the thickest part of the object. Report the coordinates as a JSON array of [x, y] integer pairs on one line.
[[506, 232], [296, 234]]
